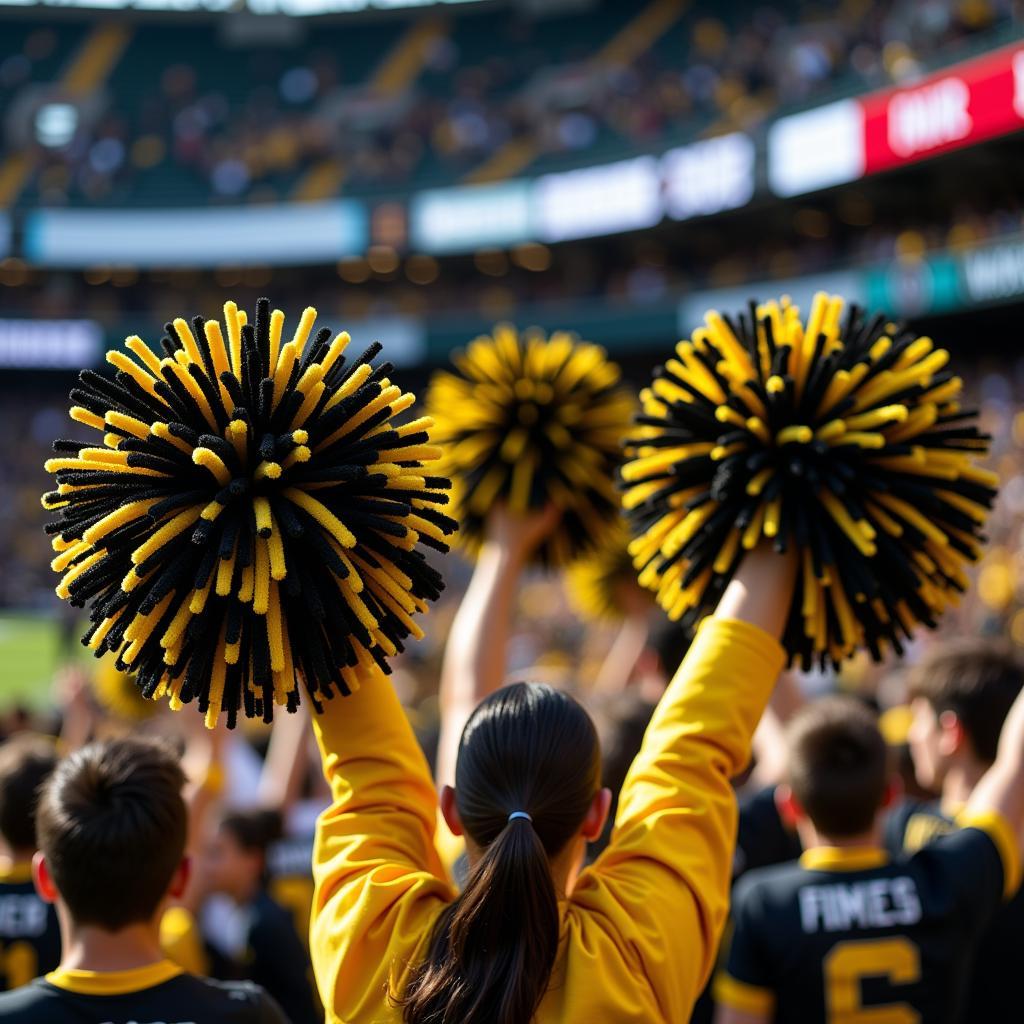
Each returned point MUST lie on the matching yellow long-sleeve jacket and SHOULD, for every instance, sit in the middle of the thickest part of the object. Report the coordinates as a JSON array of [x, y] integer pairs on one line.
[[639, 931]]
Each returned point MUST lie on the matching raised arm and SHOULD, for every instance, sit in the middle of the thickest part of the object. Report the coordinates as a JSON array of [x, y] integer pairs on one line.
[[759, 593], [997, 802], [670, 858], [624, 653], [769, 742], [378, 879], [285, 765], [477, 650]]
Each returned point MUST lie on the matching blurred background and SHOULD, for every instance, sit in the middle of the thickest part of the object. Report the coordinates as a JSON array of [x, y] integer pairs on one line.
[[420, 170]]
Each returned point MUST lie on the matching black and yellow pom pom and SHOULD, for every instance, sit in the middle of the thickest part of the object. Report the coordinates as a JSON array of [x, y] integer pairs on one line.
[[842, 437], [253, 514], [530, 421], [598, 584], [118, 694]]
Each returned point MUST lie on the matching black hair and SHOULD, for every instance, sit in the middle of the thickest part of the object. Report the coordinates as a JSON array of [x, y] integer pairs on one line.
[[527, 748]]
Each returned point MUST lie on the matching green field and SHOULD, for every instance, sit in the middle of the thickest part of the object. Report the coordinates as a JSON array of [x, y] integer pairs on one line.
[[28, 659]]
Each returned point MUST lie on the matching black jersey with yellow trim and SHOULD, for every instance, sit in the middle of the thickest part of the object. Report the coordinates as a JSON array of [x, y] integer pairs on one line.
[[762, 839], [274, 955], [29, 934], [159, 992], [994, 992], [913, 823], [844, 932]]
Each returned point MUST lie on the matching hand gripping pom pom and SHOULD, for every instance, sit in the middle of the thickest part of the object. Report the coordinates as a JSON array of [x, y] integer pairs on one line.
[[599, 584], [845, 440], [253, 515], [530, 421]]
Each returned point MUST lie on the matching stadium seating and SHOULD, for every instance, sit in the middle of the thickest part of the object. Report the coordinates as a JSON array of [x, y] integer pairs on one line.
[[189, 113]]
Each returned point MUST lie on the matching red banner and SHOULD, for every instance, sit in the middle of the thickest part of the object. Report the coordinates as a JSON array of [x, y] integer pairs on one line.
[[960, 106]]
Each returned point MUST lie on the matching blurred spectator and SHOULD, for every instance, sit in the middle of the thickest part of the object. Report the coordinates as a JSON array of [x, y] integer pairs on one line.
[[250, 936], [172, 129]]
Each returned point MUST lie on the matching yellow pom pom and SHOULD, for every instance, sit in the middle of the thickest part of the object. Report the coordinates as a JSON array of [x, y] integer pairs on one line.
[[837, 437], [212, 534], [529, 421]]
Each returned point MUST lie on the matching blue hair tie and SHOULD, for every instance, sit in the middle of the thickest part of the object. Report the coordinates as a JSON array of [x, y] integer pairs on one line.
[[519, 814]]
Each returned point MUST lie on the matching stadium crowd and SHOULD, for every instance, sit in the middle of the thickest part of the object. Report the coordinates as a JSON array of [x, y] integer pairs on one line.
[[439, 847], [253, 796], [659, 266], [170, 130]]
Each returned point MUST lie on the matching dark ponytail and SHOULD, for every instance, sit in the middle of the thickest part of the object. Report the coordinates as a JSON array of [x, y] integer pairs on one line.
[[526, 748]]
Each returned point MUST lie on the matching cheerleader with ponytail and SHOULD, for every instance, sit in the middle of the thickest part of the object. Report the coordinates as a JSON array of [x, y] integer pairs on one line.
[[534, 936]]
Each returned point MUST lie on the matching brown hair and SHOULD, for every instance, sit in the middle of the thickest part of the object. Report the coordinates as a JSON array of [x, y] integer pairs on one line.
[[526, 748], [977, 680], [25, 762], [112, 824], [253, 829], [838, 765]]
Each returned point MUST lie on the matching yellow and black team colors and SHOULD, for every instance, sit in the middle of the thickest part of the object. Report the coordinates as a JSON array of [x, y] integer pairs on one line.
[[29, 936], [638, 934], [848, 934], [157, 992], [999, 961]]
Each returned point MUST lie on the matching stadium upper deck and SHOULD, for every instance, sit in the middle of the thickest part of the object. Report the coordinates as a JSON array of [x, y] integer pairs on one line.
[[188, 109]]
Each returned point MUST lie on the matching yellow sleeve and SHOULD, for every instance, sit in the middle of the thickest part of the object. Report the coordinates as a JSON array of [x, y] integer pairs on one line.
[[379, 884], [663, 882]]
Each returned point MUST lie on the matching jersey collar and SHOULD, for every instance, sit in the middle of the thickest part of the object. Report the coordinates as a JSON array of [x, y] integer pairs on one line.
[[113, 983], [843, 858]]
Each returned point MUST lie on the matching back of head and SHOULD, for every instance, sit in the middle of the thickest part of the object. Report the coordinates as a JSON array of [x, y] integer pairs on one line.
[[112, 824], [25, 763], [253, 829], [527, 748], [838, 765], [978, 680]]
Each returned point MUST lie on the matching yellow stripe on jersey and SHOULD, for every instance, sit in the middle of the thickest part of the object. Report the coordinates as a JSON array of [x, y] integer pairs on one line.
[[843, 858], [998, 829], [113, 983], [743, 997]]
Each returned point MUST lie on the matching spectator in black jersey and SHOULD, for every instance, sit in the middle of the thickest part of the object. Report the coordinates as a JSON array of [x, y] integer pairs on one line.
[[848, 933], [29, 936], [253, 937], [960, 696], [111, 825]]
